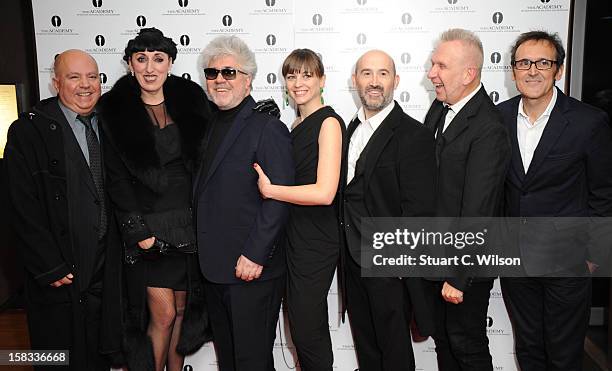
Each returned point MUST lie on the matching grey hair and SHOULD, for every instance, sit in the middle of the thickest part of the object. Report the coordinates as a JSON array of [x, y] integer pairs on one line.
[[231, 46], [468, 38]]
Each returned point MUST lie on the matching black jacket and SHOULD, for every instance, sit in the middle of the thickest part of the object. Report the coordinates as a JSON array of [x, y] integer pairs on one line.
[[51, 226], [135, 179]]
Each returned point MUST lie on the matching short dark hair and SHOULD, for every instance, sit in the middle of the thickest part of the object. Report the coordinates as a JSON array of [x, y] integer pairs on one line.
[[552, 38], [150, 39], [303, 60]]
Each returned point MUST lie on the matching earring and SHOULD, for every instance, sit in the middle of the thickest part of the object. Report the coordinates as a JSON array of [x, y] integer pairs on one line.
[[322, 100], [169, 73], [132, 71], [286, 100]]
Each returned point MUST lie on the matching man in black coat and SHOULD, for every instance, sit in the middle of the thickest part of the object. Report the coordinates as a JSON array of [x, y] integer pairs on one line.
[[561, 167], [390, 173], [239, 233], [61, 216], [472, 154]]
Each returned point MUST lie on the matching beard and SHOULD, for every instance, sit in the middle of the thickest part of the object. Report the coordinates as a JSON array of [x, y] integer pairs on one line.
[[376, 103]]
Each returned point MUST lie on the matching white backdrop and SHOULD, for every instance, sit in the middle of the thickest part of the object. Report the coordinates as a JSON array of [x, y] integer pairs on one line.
[[340, 30]]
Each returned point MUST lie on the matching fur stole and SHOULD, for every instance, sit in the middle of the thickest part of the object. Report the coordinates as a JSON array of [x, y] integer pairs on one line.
[[128, 126]]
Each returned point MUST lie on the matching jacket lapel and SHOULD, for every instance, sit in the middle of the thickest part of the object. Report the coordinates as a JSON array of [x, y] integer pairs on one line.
[[72, 147], [379, 140], [517, 162], [554, 127], [239, 123]]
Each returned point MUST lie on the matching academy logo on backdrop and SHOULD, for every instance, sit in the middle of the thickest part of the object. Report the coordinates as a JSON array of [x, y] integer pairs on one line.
[[406, 18], [405, 24], [317, 19], [271, 78], [186, 76], [103, 78], [360, 7], [494, 330], [141, 21], [361, 39], [183, 9], [56, 21], [184, 40], [226, 20], [97, 10], [404, 97], [498, 17], [405, 101], [494, 64], [184, 48], [494, 96], [454, 6], [405, 58], [271, 40], [100, 41], [270, 8], [545, 6], [56, 28], [270, 85], [101, 48]]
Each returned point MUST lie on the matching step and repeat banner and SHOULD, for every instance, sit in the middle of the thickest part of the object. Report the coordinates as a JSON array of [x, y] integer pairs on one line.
[[340, 30]]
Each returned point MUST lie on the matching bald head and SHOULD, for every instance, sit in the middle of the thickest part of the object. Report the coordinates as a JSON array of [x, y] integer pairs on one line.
[[76, 80], [377, 55], [375, 80]]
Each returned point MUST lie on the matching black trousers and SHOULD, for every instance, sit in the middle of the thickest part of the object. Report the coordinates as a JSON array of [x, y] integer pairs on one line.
[[550, 317], [51, 327], [243, 318], [380, 313], [310, 272], [461, 330]]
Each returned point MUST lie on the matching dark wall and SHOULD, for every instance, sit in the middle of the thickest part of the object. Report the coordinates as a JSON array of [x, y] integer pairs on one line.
[[17, 66], [597, 79]]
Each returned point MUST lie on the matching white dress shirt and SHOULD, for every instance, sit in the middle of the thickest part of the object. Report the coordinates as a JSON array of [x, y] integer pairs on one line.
[[362, 135], [529, 134], [454, 109]]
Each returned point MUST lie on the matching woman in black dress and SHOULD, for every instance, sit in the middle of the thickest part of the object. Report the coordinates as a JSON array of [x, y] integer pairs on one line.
[[312, 231], [153, 123]]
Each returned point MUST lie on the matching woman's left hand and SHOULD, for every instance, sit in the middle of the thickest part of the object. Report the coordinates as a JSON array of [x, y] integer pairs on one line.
[[263, 182]]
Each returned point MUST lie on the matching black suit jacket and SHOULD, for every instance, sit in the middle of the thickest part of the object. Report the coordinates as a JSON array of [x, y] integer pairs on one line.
[[570, 174], [473, 157], [398, 175], [232, 218]]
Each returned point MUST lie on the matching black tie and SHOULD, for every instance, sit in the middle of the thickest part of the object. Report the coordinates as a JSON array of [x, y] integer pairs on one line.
[[438, 131], [95, 167]]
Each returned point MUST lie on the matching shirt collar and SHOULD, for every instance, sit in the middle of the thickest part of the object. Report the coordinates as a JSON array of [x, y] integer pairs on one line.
[[70, 115], [459, 105], [546, 112], [378, 118]]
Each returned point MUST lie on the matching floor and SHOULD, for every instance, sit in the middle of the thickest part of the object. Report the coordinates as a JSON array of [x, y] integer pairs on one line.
[[14, 335]]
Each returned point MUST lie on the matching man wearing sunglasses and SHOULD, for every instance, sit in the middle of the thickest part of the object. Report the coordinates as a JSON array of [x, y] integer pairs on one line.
[[239, 233], [561, 166]]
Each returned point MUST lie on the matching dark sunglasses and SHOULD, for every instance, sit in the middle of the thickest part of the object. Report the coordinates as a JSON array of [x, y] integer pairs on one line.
[[227, 73]]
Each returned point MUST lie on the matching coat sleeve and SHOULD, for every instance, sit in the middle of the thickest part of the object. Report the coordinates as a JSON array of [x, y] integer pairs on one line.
[[120, 188], [40, 251], [274, 155]]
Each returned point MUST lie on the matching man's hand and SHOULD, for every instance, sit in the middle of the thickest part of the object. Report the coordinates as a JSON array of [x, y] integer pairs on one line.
[[451, 294], [246, 270], [146, 244], [66, 280], [268, 106]]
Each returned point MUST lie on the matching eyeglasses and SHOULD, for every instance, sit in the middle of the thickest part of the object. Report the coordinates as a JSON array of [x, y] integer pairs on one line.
[[227, 73], [542, 64]]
